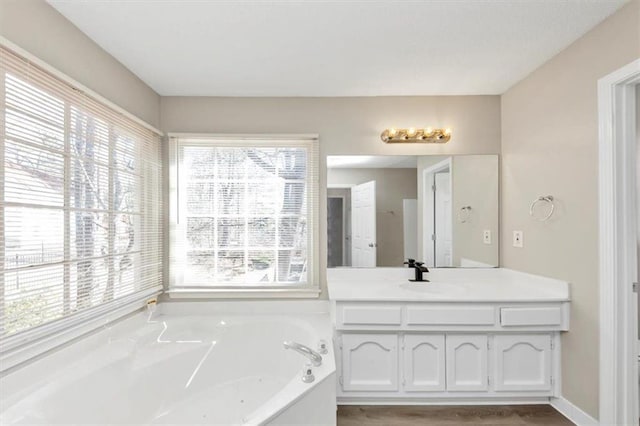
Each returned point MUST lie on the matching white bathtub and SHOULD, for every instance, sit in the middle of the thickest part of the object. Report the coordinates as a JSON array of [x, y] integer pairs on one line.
[[187, 363]]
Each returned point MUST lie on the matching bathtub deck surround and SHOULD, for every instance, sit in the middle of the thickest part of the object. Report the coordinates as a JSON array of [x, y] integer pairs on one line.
[[472, 336], [185, 363]]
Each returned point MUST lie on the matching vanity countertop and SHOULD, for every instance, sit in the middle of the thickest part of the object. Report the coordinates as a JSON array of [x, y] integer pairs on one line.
[[446, 285]]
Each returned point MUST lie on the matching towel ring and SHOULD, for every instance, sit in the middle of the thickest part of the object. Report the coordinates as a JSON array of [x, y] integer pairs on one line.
[[542, 199], [464, 214]]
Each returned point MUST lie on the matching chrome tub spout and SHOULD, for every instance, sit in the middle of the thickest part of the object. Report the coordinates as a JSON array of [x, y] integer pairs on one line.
[[314, 357]]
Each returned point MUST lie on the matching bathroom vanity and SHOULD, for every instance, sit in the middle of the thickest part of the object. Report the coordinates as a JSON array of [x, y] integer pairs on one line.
[[469, 334]]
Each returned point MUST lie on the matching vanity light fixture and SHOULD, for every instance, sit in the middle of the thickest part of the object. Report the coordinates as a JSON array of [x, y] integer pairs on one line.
[[426, 135]]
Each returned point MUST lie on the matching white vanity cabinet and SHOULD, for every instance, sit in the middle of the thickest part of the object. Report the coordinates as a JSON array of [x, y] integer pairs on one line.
[[370, 362], [416, 351], [423, 359], [523, 362], [467, 368], [484, 335]]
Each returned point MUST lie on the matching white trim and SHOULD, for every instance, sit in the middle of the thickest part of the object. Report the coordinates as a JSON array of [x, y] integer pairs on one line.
[[618, 334], [58, 334], [213, 293], [176, 257], [350, 400], [76, 84], [573, 413], [340, 185], [257, 307], [244, 136], [428, 172]]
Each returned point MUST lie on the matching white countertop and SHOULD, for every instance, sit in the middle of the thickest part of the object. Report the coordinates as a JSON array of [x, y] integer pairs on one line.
[[446, 285]]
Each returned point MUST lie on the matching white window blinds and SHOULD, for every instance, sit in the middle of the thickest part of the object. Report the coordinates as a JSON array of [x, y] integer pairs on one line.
[[246, 210], [80, 203]]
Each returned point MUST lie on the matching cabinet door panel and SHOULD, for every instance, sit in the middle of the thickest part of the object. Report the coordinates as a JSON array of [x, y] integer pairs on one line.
[[424, 363], [370, 362], [467, 363], [522, 362]]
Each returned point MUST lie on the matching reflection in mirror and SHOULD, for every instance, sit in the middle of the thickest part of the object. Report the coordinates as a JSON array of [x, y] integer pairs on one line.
[[442, 210]]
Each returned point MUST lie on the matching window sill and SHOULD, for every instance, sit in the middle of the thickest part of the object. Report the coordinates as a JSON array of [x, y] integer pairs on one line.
[[31, 345], [243, 293]]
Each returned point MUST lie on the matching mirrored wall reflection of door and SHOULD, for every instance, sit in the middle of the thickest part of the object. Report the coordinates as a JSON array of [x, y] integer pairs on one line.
[[363, 218], [443, 226], [335, 231], [438, 235], [638, 205], [338, 227], [465, 231]]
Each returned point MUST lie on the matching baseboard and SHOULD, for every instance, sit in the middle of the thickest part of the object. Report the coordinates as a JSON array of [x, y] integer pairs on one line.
[[441, 401], [573, 413]]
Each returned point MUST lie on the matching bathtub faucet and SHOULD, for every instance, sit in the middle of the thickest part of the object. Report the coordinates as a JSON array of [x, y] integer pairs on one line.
[[314, 357]]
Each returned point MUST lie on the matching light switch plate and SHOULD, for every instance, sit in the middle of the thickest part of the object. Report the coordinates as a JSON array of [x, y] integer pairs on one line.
[[486, 236], [518, 239]]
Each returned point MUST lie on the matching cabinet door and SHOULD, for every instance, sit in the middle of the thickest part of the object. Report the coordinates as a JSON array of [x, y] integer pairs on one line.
[[522, 362], [424, 363], [370, 362], [467, 362]]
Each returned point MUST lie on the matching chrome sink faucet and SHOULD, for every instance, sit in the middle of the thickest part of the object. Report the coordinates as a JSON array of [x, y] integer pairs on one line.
[[314, 357], [419, 269]]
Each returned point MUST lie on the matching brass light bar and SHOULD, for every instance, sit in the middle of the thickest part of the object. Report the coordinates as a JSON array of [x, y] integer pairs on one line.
[[427, 135]]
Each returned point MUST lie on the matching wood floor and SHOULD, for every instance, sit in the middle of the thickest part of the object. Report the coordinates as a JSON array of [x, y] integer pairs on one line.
[[383, 415]]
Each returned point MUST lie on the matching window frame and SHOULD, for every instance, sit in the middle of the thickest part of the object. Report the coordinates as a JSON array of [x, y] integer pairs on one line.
[[29, 343], [176, 234]]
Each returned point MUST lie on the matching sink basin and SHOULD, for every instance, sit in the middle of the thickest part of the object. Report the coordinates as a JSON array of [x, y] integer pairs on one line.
[[434, 288]]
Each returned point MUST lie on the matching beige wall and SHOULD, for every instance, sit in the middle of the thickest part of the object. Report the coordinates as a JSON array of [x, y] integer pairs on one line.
[[392, 186], [475, 183], [42, 31], [550, 146], [345, 126]]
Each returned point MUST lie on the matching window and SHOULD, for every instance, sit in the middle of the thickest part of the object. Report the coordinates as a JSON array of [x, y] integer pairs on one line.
[[245, 213], [80, 203]]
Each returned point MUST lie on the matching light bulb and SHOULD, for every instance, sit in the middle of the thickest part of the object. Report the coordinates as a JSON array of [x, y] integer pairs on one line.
[[428, 130], [447, 132], [411, 132], [392, 132]]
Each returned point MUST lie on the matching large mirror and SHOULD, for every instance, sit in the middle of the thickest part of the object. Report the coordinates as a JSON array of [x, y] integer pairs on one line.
[[442, 210]]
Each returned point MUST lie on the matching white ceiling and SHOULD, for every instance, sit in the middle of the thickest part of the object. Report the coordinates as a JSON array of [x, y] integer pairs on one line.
[[332, 47], [372, 161]]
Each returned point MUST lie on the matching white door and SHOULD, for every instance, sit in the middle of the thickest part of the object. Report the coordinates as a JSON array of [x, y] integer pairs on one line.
[[443, 214], [522, 362], [424, 362], [370, 362], [363, 225], [467, 362], [429, 230]]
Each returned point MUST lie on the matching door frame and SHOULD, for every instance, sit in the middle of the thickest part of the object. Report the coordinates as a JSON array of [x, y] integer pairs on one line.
[[618, 269], [345, 234], [427, 180]]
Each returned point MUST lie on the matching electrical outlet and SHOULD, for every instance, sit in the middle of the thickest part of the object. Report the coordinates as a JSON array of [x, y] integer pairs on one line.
[[486, 236], [518, 239]]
